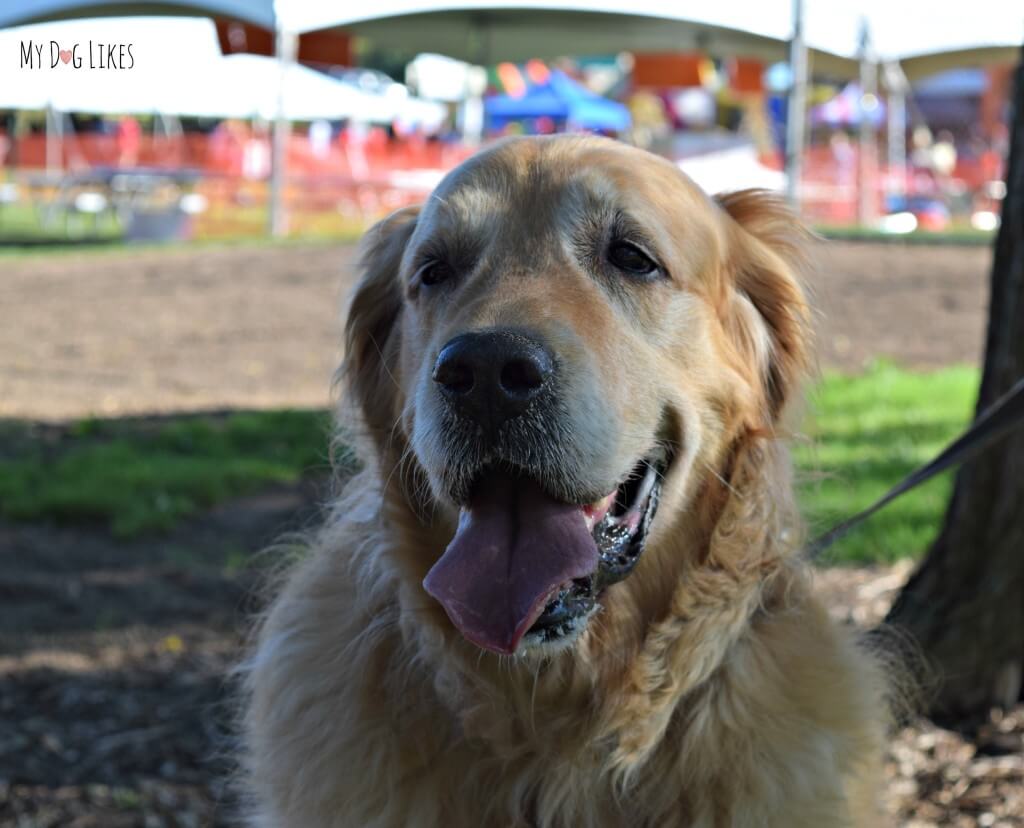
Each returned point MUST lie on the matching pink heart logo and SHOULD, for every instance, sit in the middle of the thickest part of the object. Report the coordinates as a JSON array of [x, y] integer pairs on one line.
[[65, 55]]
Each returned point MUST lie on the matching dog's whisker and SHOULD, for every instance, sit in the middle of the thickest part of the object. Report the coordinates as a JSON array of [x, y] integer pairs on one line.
[[384, 362], [395, 468], [533, 698], [721, 479]]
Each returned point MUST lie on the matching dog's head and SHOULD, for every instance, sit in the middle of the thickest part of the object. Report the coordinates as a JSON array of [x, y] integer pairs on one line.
[[561, 349]]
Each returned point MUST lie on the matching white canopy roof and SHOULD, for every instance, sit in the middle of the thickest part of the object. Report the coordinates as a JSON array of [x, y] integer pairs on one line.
[[732, 169], [487, 31], [902, 29], [491, 30], [248, 85], [510, 29]]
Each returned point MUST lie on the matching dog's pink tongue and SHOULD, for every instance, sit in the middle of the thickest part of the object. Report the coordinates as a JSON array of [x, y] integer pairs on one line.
[[515, 547]]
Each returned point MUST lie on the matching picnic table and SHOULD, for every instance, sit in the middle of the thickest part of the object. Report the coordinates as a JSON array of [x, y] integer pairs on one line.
[[152, 203]]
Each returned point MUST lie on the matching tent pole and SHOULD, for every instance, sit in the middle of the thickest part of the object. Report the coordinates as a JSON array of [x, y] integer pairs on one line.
[[473, 104], [285, 47], [867, 153], [896, 82], [796, 107], [54, 141]]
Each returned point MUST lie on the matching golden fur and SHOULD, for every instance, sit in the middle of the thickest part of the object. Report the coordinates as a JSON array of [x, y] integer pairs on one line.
[[712, 689]]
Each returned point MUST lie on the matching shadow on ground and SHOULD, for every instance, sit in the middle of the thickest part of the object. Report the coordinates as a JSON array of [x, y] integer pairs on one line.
[[116, 656]]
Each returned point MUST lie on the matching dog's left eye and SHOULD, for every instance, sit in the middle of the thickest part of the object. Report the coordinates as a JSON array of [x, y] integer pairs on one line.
[[433, 273], [631, 259]]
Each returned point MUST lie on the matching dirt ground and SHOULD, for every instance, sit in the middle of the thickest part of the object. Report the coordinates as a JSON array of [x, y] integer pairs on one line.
[[115, 663], [258, 326], [115, 657], [116, 697]]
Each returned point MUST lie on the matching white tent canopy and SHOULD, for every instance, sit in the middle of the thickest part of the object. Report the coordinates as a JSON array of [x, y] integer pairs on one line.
[[478, 31], [907, 30], [438, 77], [249, 84], [732, 169], [486, 31], [647, 18], [914, 31]]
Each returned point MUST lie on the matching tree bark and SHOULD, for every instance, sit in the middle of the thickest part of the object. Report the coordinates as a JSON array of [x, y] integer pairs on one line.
[[965, 604]]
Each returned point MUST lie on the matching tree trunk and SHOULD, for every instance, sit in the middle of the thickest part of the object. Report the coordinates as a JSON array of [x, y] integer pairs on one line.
[[965, 604]]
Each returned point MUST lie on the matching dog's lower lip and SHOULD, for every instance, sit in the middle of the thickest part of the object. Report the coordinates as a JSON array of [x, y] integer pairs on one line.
[[620, 540]]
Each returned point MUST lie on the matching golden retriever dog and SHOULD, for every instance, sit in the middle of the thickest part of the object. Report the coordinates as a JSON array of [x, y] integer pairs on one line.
[[565, 587]]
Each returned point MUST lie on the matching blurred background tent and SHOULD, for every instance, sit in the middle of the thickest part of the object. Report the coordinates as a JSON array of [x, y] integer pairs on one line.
[[883, 45], [562, 101], [845, 110]]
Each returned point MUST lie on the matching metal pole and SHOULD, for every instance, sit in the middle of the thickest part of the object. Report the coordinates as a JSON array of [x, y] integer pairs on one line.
[[896, 82], [867, 151], [796, 107], [54, 140], [286, 46]]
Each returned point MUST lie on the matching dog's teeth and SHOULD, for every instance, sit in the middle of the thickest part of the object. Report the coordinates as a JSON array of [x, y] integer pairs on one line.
[[593, 513]]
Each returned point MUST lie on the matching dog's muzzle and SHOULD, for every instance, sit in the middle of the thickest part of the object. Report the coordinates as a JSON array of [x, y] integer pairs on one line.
[[529, 560]]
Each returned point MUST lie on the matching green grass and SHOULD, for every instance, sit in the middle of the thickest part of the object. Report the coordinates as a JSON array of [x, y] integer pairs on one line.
[[23, 233], [865, 434], [959, 235], [142, 476], [12, 252], [21, 226]]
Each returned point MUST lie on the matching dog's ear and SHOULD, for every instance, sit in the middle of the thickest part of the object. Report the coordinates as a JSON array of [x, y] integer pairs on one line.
[[372, 327], [767, 313]]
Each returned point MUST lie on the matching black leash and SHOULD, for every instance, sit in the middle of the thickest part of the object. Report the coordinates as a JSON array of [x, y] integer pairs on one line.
[[998, 420]]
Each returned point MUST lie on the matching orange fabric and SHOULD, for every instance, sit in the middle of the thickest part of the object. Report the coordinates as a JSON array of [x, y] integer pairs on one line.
[[326, 47], [243, 37], [314, 47], [511, 79], [661, 70], [746, 75], [537, 71]]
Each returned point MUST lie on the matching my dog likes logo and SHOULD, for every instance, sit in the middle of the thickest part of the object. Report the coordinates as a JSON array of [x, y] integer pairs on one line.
[[95, 55]]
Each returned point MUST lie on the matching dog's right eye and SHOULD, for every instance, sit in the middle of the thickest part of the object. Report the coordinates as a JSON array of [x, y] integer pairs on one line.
[[631, 259], [433, 273]]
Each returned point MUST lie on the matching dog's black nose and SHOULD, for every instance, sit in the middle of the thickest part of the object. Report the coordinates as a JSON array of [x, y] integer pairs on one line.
[[491, 376]]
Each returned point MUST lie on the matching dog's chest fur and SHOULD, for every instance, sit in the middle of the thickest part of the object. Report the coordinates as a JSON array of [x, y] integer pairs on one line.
[[385, 729]]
